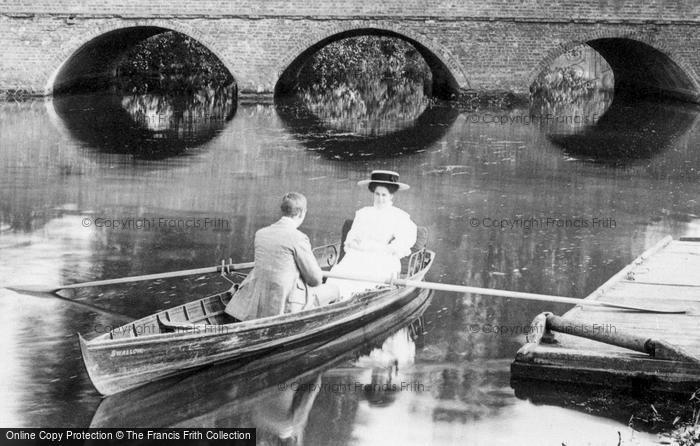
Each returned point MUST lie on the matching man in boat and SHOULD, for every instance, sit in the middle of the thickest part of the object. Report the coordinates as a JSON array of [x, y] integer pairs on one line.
[[286, 277]]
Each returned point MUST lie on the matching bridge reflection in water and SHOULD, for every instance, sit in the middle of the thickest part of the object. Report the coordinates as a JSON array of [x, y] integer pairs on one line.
[[627, 132], [347, 138], [147, 126]]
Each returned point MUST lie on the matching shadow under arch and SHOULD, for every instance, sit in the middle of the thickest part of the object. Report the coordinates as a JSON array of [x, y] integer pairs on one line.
[[92, 66], [314, 134], [640, 70], [232, 394], [629, 132], [444, 84]]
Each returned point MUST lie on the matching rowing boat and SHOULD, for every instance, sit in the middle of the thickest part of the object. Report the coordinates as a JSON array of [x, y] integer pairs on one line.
[[227, 392], [199, 333]]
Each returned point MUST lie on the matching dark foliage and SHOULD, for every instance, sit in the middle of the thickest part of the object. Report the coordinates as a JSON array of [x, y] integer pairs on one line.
[[361, 59], [365, 79], [170, 62], [561, 85]]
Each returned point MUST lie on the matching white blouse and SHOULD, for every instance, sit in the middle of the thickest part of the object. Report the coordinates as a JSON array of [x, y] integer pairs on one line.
[[388, 230]]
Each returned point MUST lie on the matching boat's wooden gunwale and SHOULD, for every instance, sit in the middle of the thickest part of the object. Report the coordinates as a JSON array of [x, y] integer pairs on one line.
[[239, 327], [233, 328]]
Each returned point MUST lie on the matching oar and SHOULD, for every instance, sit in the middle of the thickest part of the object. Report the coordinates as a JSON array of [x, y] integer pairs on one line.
[[499, 293], [119, 317], [187, 272]]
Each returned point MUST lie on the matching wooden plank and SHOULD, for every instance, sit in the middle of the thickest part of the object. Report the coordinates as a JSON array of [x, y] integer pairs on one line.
[[575, 342], [618, 370], [594, 359], [668, 262], [670, 265], [678, 246], [668, 275], [177, 314], [661, 280], [194, 311], [653, 292], [660, 332], [675, 305], [213, 305], [192, 323]]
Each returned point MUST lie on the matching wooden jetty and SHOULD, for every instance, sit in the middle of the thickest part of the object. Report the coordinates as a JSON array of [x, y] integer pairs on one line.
[[622, 348]]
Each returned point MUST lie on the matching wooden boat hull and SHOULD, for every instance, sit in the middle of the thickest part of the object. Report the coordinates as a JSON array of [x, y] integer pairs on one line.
[[226, 391], [146, 355]]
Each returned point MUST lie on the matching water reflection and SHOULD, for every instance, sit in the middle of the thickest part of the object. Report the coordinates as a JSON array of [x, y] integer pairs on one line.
[[467, 169], [571, 116], [347, 138], [627, 132], [147, 126], [375, 107]]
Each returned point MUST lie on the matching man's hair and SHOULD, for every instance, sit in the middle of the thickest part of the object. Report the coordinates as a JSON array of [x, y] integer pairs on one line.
[[293, 204]]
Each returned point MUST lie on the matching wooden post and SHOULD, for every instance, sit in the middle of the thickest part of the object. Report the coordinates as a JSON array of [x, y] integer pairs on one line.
[[656, 348], [597, 332]]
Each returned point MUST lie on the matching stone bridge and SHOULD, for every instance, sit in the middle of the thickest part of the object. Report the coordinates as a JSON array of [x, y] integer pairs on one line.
[[652, 46]]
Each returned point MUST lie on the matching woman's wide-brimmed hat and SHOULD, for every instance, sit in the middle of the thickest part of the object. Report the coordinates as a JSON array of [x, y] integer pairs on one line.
[[384, 177]]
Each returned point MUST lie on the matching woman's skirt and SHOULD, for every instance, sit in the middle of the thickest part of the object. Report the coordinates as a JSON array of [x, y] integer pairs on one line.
[[372, 265]]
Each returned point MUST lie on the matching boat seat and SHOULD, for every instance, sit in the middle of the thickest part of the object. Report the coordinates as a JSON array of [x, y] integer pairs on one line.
[[421, 242]]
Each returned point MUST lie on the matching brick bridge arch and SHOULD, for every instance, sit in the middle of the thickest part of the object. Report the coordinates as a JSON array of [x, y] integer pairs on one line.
[[448, 73], [74, 52], [640, 63], [484, 46]]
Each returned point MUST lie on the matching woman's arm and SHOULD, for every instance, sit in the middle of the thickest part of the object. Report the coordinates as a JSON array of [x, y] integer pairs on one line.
[[404, 236], [351, 239]]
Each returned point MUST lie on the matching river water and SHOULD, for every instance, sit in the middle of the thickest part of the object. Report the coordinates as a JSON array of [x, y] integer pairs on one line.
[[548, 201]]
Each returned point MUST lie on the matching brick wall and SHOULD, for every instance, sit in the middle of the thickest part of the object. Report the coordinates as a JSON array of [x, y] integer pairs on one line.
[[559, 10], [486, 45]]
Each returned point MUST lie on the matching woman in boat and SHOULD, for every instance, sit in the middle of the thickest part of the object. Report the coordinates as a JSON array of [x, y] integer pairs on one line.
[[380, 235]]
